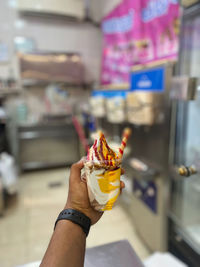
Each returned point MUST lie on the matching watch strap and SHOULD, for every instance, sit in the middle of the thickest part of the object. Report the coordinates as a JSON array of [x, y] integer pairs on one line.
[[76, 217]]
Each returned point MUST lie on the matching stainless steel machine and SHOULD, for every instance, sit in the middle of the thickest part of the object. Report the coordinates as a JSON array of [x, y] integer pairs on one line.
[[152, 149], [50, 145], [147, 167]]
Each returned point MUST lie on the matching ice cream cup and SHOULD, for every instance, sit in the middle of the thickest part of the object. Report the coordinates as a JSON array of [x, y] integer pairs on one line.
[[103, 186]]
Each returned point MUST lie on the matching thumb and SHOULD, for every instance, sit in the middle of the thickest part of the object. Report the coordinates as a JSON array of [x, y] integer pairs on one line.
[[75, 172]]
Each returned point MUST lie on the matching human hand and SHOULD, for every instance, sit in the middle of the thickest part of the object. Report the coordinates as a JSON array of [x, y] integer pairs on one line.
[[78, 198]]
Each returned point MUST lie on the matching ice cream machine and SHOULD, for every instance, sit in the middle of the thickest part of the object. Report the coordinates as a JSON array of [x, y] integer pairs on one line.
[[149, 108], [148, 164]]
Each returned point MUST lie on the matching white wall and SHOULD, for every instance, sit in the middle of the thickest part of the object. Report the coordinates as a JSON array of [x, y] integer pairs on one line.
[[50, 35], [109, 5], [100, 8]]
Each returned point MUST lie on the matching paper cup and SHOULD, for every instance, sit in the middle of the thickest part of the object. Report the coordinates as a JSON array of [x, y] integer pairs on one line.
[[103, 187]]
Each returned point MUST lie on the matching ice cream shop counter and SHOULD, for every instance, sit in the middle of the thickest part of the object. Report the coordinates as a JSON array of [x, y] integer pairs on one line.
[[45, 145]]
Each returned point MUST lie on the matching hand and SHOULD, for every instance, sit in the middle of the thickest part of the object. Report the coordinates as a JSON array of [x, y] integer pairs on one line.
[[78, 198]]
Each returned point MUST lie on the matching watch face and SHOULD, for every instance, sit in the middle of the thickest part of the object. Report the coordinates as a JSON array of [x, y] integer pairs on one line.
[[187, 3]]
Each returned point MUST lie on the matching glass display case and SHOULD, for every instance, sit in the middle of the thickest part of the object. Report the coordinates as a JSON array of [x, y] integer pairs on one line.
[[185, 200]]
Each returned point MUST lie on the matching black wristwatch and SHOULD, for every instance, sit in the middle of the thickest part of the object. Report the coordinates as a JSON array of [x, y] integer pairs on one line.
[[76, 217]]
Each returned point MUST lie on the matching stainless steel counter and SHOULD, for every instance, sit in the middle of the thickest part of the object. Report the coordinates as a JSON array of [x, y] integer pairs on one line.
[[46, 145]]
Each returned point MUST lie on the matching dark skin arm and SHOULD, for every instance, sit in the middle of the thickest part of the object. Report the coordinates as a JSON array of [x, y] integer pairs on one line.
[[67, 245]]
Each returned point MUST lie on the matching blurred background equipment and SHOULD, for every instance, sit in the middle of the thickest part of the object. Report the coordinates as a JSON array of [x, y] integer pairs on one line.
[[148, 162], [115, 106], [41, 125], [144, 108], [46, 145], [55, 67], [97, 104]]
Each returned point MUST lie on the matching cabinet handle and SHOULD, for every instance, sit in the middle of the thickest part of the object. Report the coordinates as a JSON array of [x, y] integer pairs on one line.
[[187, 171]]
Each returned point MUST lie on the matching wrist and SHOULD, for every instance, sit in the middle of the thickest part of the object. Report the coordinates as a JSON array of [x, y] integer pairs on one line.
[[75, 217], [69, 226]]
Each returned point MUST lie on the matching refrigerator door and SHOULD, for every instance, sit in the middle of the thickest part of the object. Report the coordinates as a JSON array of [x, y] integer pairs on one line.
[[185, 205]]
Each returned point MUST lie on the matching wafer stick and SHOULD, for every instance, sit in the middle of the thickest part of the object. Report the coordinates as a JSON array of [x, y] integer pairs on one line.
[[125, 136]]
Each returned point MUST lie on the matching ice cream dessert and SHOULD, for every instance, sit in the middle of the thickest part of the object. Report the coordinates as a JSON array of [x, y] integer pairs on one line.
[[100, 155], [103, 170]]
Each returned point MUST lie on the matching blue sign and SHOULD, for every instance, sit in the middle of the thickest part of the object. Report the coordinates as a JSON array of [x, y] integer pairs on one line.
[[148, 80]]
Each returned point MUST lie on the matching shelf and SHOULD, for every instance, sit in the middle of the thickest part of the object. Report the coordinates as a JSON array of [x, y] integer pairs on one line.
[[45, 16], [27, 83], [8, 92]]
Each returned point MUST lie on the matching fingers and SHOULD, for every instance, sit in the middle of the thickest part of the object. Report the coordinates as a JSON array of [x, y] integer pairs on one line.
[[122, 171], [83, 178], [122, 186], [75, 172]]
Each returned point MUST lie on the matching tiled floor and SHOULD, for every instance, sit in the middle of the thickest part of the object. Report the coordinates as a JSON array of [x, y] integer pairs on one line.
[[28, 223]]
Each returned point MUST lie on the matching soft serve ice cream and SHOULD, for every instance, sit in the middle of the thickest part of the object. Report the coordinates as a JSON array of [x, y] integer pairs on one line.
[[103, 172]]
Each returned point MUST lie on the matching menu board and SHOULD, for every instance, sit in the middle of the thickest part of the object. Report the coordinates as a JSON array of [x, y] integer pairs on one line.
[[138, 32]]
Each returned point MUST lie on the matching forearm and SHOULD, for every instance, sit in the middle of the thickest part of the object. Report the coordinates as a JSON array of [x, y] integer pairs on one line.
[[67, 246]]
